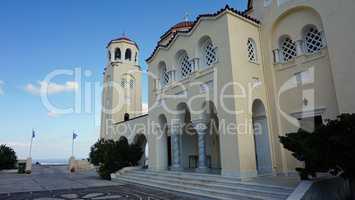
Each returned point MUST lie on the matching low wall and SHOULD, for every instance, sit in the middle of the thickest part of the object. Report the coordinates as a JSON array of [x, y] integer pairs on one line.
[[79, 165], [326, 188]]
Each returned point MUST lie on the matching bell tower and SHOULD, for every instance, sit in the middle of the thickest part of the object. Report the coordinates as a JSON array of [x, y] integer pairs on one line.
[[121, 98]]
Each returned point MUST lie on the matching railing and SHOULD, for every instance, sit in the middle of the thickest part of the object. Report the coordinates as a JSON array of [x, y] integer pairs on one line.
[[301, 49]]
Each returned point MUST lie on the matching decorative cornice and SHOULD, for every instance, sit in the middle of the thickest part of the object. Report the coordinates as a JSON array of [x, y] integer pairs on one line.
[[308, 113], [140, 116], [226, 8], [122, 39]]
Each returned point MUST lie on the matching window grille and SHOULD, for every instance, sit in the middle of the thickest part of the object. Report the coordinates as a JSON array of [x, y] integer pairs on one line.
[[164, 76], [313, 40], [124, 83], [131, 83], [185, 66], [251, 51], [209, 53], [288, 49]]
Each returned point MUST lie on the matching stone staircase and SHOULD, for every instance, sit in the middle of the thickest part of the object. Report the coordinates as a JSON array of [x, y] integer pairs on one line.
[[213, 186]]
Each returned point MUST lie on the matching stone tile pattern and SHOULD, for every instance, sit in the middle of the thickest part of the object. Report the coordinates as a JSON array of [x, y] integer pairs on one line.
[[121, 192], [55, 182]]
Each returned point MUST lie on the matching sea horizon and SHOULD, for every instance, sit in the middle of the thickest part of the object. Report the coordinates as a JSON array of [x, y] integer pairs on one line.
[[52, 161]]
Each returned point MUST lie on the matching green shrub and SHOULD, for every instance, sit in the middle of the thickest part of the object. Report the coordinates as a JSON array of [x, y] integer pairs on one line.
[[110, 156], [8, 157], [330, 148]]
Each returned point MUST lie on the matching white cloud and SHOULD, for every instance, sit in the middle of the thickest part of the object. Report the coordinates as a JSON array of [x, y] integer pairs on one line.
[[144, 108], [1, 87], [53, 114], [16, 144], [51, 88]]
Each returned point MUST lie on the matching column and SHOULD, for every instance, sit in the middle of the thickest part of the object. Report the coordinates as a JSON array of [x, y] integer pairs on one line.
[[170, 75], [195, 62], [277, 56], [175, 143], [157, 84], [200, 126], [324, 40], [299, 47], [173, 76]]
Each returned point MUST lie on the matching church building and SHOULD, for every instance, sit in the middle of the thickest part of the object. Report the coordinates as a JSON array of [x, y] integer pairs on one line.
[[224, 87]]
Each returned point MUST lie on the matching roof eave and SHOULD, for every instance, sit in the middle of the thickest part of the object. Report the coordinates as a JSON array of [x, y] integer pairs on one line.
[[225, 9]]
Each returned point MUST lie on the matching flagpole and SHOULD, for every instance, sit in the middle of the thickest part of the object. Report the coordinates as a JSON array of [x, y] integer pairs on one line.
[[72, 145], [30, 154]]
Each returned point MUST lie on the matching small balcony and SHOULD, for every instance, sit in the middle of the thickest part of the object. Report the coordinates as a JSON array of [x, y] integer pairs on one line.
[[174, 78], [302, 51]]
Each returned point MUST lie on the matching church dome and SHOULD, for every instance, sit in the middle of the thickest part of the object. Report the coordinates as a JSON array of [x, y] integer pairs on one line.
[[181, 26], [184, 24]]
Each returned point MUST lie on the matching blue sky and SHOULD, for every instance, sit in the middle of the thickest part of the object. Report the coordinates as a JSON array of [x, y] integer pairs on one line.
[[40, 36]]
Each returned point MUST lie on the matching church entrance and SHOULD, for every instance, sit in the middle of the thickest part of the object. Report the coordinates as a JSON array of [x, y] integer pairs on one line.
[[169, 151], [261, 139], [141, 141], [188, 137], [213, 152], [165, 143]]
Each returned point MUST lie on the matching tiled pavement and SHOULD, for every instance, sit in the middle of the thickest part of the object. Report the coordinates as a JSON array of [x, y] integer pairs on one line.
[[121, 192], [54, 183]]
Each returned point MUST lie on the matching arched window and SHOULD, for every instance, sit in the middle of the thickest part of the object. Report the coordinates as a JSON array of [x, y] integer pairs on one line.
[[209, 52], [184, 65], [124, 82], [126, 117], [252, 54], [164, 77], [118, 54], [135, 57], [131, 83], [288, 49], [128, 55], [313, 41]]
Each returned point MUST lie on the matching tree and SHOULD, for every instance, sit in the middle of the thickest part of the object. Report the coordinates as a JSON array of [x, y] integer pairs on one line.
[[111, 156], [309, 148], [330, 148], [8, 158], [341, 140]]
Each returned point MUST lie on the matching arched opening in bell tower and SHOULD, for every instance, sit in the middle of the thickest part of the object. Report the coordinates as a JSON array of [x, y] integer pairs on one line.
[[128, 55]]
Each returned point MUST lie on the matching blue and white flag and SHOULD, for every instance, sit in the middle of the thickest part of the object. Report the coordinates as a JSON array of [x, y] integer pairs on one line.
[[74, 136], [33, 134]]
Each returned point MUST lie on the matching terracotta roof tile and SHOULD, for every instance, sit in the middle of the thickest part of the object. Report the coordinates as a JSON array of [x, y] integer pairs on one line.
[[227, 7]]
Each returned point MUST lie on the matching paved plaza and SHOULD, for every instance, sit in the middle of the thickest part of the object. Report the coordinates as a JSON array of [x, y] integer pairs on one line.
[[54, 183]]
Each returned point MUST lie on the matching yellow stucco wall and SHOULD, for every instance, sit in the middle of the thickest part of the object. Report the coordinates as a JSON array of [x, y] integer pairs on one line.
[[328, 92]]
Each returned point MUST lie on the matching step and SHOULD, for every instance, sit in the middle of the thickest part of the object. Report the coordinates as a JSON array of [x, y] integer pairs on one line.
[[191, 189], [244, 189], [216, 179]]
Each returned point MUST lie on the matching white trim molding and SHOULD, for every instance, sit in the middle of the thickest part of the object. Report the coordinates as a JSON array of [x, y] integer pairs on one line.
[[309, 113]]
